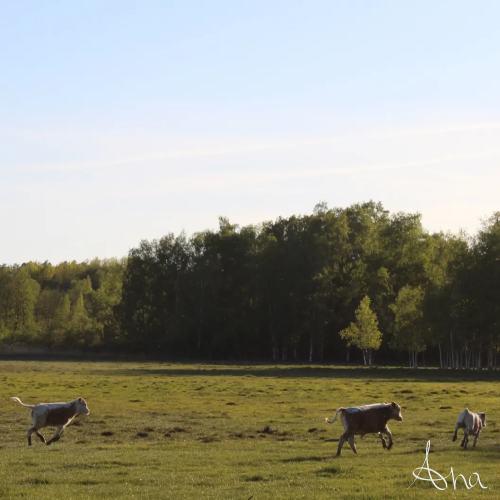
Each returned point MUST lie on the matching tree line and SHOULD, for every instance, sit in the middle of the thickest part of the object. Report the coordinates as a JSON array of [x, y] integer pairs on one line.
[[355, 283]]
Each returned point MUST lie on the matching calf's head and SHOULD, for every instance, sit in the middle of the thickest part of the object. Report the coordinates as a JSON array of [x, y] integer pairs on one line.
[[81, 407], [396, 412], [482, 416]]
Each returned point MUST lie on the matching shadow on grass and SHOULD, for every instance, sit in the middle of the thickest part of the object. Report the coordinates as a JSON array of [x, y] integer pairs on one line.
[[327, 471], [305, 459], [297, 371], [186, 368]]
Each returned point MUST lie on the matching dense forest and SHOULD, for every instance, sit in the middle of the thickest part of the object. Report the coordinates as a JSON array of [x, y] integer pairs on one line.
[[340, 284]]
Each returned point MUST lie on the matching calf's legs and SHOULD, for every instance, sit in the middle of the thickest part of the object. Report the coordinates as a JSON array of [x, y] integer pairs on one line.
[[352, 445], [384, 443], [343, 438], [475, 439], [31, 430], [57, 435], [34, 430], [388, 433], [42, 439], [465, 441]]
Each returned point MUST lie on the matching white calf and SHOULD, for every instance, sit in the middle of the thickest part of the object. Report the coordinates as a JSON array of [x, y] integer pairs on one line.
[[471, 423], [53, 415]]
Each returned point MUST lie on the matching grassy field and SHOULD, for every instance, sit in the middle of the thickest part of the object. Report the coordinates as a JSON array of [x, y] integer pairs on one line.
[[171, 431]]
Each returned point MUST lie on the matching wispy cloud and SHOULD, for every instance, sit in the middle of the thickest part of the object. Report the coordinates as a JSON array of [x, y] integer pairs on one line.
[[230, 182], [246, 147]]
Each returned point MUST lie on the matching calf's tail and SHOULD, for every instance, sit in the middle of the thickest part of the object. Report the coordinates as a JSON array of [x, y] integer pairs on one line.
[[335, 417], [20, 402]]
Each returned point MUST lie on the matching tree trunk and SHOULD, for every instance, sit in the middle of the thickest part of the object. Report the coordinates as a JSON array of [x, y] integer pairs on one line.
[[275, 349], [348, 353], [321, 347], [200, 319], [451, 349], [440, 357], [311, 349], [364, 355]]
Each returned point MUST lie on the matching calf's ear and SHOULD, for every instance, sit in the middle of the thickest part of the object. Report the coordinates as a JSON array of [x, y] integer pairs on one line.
[[80, 400], [394, 404]]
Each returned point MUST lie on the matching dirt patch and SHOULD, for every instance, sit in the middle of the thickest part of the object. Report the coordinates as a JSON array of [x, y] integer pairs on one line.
[[208, 439], [254, 479], [178, 429], [267, 430]]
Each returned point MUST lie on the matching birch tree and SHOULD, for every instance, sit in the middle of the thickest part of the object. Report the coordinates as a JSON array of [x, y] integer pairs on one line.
[[364, 332]]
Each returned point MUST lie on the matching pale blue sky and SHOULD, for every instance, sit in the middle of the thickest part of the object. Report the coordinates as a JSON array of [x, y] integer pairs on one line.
[[127, 120]]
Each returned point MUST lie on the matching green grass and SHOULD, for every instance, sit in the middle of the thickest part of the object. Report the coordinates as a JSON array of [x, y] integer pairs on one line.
[[172, 431]]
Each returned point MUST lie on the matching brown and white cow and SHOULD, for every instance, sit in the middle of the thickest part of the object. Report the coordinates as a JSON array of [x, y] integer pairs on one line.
[[53, 415], [471, 423], [368, 419]]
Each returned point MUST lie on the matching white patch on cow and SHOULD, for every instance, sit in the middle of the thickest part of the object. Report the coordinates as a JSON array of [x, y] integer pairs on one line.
[[356, 409], [344, 423]]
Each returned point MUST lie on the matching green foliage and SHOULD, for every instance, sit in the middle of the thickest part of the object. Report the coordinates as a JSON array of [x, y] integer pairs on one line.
[[48, 314], [63, 315], [408, 325], [279, 290], [364, 333], [24, 292], [79, 321]]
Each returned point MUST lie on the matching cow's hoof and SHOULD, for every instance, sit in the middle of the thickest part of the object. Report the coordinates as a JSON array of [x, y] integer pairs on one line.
[[454, 438]]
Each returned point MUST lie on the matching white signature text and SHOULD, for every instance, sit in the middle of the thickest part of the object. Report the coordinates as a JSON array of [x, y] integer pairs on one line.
[[438, 477]]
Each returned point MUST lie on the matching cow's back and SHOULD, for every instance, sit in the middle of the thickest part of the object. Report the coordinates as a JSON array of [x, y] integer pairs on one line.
[[366, 419]]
